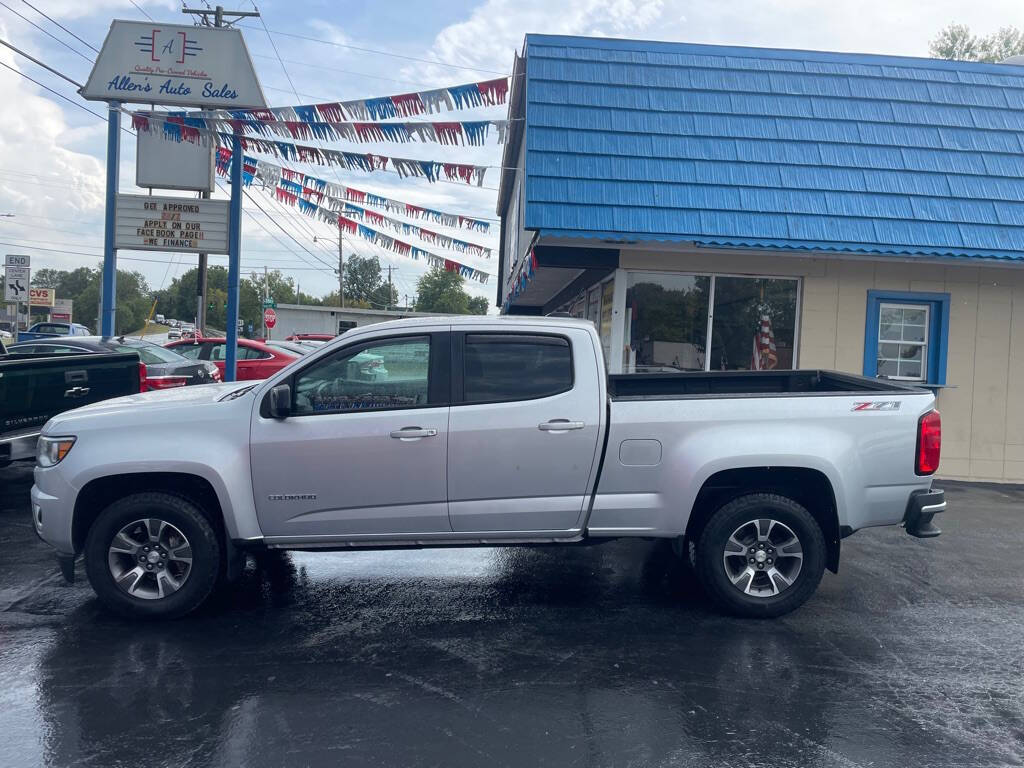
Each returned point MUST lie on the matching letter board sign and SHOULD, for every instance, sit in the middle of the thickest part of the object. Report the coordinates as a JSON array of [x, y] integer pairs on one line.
[[182, 224]]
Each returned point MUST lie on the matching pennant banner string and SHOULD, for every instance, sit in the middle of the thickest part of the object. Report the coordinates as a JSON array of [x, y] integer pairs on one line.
[[487, 93], [183, 127], [378, 238], [176, 128], [310, 189], [272, 175]]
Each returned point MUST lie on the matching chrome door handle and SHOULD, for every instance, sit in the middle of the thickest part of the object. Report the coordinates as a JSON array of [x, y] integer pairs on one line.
[[560, 425], [413, 433]]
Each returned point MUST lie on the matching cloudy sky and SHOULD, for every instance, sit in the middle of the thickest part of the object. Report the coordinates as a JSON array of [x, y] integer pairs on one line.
[[52, 151]]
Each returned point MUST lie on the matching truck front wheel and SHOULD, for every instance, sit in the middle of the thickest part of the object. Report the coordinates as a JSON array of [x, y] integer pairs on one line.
[[152, 555], [761, 555]]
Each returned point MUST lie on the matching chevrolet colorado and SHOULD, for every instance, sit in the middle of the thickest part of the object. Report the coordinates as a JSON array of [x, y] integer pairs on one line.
[[485, 432]]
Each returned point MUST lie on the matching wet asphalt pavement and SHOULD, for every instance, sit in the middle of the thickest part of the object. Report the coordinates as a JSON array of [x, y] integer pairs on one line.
[[600, 656]]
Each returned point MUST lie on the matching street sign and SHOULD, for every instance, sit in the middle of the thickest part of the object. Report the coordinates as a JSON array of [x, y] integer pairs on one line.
[[16, 280], [181, 224], [17, 260], [269, 303], [269, 317], [41, 297], [174, 64]]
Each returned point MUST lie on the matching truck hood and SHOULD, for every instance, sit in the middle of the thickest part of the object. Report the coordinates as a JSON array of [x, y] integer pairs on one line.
[[147, 406]]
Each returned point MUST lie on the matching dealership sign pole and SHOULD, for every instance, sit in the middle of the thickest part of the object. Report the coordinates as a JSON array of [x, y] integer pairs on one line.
[[183, 66]]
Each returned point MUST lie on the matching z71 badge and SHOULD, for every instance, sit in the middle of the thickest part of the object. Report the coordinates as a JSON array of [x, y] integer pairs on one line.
[[877, 405]]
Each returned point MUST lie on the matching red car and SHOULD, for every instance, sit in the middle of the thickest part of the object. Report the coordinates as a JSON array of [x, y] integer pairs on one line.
[[255, 360], [309, 337]]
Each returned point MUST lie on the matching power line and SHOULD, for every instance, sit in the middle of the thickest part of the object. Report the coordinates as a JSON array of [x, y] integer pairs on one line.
[[57, 23], [142, 10], [41, 64], [45, 32], [324, 68], [384, 53], [55, 93]]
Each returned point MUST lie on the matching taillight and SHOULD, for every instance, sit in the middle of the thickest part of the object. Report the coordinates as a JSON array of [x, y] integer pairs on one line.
[[929, 443], [143, 383], [166, 382]]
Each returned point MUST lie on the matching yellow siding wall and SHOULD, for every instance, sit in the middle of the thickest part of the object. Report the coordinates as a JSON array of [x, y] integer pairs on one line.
[[983, 406]]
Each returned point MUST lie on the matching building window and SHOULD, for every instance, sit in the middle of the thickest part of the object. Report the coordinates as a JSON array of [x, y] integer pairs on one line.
[[902, 341], [678, 322], [905, 337], [753, 324]]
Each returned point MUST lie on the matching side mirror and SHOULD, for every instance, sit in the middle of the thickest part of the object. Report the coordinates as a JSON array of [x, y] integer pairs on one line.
[[280, 401]]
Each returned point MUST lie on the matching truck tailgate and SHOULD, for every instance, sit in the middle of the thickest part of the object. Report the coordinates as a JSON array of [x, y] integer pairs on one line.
[[34, 389]]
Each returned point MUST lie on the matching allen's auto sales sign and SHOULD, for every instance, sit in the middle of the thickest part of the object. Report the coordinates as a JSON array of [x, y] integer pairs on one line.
[[175, 64]]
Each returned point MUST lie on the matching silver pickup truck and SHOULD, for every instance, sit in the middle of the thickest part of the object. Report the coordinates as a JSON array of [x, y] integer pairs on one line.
[[485, 431]]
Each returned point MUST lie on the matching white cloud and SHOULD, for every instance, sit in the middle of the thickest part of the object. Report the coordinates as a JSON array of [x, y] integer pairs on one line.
[[41, 176], [495, 29]]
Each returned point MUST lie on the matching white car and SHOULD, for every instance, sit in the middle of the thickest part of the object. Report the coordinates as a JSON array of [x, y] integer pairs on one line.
[[173, 334]]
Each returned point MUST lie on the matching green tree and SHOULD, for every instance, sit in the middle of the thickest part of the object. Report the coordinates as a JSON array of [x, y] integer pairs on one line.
[[362, 279], [442, 291], [48, 278], [956, 42], [382, 298], [478, 305], [133, 301]]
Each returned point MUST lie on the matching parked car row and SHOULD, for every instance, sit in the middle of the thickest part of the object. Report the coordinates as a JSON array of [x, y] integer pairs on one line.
[[55, 367]]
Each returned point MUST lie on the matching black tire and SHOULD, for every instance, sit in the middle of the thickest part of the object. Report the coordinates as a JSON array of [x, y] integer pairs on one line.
[[178, 512], [711, 548]]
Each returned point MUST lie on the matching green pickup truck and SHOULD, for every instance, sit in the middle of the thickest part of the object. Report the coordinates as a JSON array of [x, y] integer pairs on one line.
[[36, 387]]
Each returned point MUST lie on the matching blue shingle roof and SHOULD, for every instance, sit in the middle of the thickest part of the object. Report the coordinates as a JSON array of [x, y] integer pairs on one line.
[[629, 140]]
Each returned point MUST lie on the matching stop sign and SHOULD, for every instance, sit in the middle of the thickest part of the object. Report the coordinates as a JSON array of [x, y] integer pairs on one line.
[[269, 317]]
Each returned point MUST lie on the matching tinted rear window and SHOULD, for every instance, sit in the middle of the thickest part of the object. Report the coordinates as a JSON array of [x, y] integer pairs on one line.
[[515, 367]]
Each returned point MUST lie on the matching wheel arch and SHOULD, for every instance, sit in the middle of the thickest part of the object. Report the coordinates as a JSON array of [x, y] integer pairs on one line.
[[811, 488], [101, 492]]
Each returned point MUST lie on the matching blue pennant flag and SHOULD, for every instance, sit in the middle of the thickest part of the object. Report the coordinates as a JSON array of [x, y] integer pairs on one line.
[[476, 132], [466, 95], [306, 114], [381, 109]]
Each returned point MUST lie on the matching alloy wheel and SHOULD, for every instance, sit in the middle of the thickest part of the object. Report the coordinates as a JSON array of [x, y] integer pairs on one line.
[[150, 559], [763, 557]]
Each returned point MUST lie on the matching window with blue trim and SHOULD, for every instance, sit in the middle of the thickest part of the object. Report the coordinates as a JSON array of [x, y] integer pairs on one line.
[[906, 336]]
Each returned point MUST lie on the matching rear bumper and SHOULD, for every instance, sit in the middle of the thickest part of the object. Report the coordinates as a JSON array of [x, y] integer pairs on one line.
[[18, 446], [921, 508]]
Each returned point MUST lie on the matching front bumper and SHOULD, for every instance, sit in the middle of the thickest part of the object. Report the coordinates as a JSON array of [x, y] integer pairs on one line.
[[921, 508]]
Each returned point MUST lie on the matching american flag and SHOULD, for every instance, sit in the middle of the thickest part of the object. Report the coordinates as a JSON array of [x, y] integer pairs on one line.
[[763, 357]]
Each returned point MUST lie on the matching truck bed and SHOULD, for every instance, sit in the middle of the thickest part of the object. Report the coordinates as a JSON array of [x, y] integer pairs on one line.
[[654, 386]]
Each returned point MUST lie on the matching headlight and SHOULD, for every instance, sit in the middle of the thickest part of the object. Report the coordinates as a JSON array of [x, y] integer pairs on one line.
[[51, 450]]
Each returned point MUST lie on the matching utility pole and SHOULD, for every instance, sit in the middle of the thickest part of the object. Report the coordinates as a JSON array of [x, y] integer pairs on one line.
[[391, 288], [266, 295], [204, 15], [341, 272]]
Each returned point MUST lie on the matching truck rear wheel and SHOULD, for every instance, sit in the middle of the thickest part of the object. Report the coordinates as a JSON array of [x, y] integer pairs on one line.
[[152, 555], [761, 555]]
